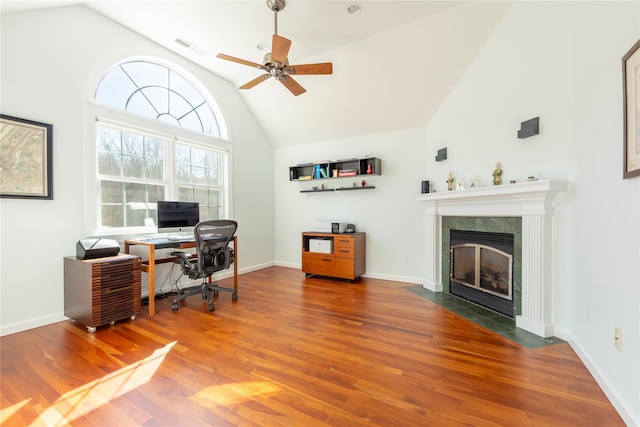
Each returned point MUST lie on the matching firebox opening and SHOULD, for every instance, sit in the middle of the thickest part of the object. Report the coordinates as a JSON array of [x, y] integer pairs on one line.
[[481, 268]]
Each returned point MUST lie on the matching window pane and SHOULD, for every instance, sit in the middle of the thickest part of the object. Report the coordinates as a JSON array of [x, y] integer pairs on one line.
[[209, 121], [183, 155], [155, 193], [135, 215], [132, 144], [111, 192], [192, 121], [154, 169], [112, 216], [140, 105], [158, 97], [133, 166], [184, 87], [108, 140], [215, 198], [146, 73], [115, 88], [198, 157], [197, 175], [185, 194], [153, 148], [136, 193], [109, 164], [200, 196], [182, 174]]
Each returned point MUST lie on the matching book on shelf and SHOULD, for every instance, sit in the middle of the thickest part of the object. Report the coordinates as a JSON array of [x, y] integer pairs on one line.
[[348, 172], [304, 177]]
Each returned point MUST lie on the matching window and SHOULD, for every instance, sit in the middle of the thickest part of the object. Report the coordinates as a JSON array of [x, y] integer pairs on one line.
[[167, 146]]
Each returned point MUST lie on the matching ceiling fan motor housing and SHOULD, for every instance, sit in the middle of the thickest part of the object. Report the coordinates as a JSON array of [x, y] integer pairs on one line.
[[276, 5]]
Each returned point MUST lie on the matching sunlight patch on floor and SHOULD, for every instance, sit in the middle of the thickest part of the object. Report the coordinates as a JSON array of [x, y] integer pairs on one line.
[[226, 394], [82, 400], [6, 413]]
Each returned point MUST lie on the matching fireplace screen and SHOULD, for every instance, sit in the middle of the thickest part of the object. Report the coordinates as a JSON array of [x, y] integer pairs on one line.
[[483, 268]]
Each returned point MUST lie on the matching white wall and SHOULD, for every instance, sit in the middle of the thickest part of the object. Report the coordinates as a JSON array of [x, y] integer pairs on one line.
[[388, 214], [51, 61], [560, 61]]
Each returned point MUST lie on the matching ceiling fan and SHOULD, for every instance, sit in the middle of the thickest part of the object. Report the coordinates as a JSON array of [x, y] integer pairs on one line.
[[276, 63]]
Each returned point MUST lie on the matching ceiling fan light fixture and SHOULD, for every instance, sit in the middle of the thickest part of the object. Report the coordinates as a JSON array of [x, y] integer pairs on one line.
[[354, 8], [262, 46]]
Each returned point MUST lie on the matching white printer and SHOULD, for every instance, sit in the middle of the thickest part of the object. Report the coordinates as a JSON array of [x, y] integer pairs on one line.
[[328, 227]]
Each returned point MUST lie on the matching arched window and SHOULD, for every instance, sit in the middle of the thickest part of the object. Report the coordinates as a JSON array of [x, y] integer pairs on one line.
[[158, 92], [158, 137]]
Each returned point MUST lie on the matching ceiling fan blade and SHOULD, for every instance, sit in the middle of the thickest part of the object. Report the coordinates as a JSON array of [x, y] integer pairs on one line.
[[280, 49], [292, 85], [240, 61], [255, 81], [321, 68]]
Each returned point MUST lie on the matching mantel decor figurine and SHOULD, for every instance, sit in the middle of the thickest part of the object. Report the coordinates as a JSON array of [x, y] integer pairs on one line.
[[450, 181], [497, 174]]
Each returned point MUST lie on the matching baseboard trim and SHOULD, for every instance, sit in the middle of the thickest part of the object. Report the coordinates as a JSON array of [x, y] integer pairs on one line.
[[620, 405], [31, 324]]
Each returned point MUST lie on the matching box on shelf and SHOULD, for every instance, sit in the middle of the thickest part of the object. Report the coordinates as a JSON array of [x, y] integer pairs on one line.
[[323, 246], [348, 172]]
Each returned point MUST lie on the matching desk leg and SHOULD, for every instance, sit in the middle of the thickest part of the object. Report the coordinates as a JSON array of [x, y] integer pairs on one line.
[[235, 263], [152, 280]]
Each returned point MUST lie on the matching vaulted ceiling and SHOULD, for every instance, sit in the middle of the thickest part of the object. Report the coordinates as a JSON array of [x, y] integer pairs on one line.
[[394, 62]]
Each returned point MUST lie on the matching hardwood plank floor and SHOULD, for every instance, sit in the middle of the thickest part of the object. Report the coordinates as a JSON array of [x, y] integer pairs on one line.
[[294, 352]]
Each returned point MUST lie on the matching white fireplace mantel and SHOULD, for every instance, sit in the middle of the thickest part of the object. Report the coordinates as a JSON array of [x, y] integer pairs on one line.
[[533, 202]]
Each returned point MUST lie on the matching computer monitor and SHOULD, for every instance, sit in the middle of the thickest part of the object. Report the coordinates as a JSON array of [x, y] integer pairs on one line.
[[177, 217]]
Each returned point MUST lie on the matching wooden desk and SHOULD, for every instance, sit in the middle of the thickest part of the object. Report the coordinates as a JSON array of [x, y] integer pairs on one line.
[[149, 266]]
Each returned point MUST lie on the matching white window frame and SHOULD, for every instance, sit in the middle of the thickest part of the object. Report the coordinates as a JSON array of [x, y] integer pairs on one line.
[[111, 117]]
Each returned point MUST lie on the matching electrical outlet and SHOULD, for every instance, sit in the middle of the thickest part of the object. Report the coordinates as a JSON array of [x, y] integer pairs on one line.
[[617, 340], [407, 257]]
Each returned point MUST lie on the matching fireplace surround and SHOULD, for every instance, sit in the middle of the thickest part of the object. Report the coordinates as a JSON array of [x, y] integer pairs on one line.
[[531, 202]]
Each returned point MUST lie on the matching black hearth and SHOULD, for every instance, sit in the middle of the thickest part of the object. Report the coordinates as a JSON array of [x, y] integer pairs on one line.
[[481, 268]]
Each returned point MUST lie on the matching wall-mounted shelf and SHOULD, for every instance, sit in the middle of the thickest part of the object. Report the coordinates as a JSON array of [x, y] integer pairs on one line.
[[329, 169], [366, 187], [317, 191]]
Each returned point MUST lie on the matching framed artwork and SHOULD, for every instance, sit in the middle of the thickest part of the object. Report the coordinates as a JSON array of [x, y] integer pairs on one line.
[[631, 108], [25, 159]]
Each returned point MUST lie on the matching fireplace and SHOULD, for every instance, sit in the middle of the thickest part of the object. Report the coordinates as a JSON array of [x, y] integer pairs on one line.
[[533, 203], [481, 268]]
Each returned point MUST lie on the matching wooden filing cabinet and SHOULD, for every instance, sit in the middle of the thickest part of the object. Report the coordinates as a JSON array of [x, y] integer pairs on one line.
[[344, 257], [102, 290]]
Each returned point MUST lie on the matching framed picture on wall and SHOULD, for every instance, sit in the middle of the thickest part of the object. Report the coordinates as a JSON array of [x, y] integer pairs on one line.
[[25, 159], [631, 108]]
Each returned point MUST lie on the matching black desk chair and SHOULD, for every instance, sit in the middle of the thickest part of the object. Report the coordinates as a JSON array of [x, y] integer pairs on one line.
[[214, 254]]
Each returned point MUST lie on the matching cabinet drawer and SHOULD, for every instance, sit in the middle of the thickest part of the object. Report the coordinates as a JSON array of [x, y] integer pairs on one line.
[[315, 263], [343, 268], [344, 247], [327, 265]]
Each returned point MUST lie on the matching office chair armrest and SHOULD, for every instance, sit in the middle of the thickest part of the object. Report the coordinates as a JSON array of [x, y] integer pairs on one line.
[[183, 257]]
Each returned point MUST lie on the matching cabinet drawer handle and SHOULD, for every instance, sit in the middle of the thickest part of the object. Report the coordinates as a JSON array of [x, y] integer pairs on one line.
[[327, 259], [343, 251]]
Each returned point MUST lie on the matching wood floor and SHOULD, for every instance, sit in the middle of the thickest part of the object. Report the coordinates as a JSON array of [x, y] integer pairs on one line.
[[294, 352]]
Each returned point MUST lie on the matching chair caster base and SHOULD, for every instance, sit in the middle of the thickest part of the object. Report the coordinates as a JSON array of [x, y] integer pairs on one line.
[[174, 306], [212, 307]]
